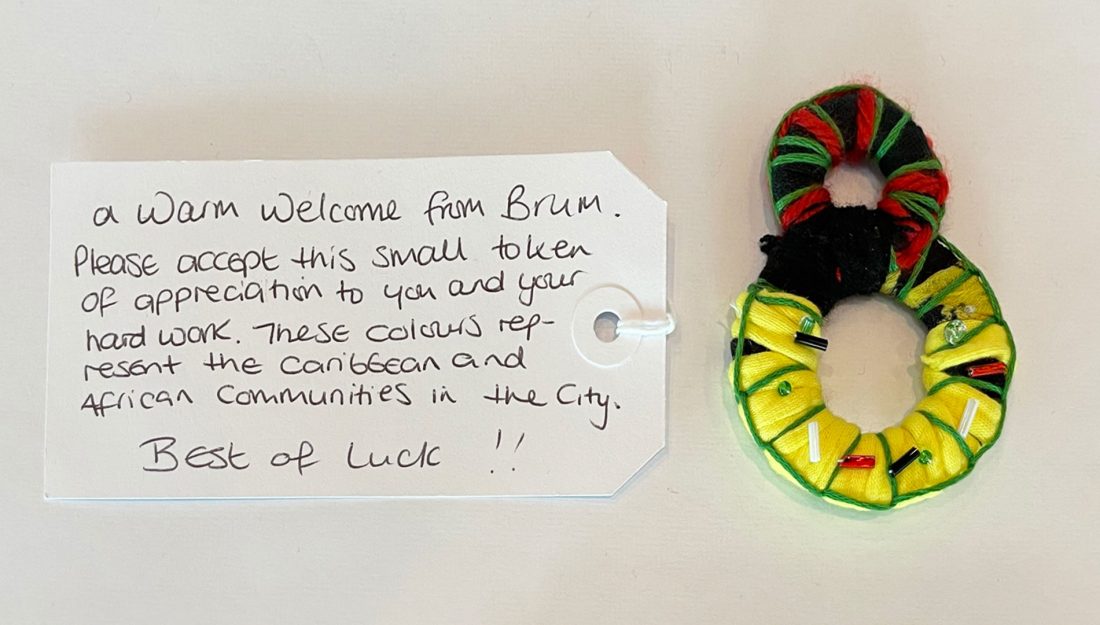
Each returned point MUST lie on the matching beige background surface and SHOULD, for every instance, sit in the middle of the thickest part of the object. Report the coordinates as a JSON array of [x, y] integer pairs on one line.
[[686, 95]]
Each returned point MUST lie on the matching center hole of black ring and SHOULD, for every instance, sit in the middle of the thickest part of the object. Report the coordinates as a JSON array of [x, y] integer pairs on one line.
[[855, 184], [871, 373]]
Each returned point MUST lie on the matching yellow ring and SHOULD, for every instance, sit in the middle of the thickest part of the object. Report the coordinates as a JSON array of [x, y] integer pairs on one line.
[[778, 393]]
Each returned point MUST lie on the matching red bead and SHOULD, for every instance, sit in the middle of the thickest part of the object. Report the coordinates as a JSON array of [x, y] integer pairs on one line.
[[982, 371], [856, 462]]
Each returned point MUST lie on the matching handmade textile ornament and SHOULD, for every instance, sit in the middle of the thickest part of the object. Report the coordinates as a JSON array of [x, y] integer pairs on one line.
[[827, 253]]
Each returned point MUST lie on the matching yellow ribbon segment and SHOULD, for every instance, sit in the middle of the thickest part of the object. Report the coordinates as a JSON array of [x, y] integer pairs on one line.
[[947, 409], [834, 437], [773, 325], [934, 284], [756, 367], [992, 341], [968, 301], [954, 397], [772, 412], [947, 459], [891, 282]]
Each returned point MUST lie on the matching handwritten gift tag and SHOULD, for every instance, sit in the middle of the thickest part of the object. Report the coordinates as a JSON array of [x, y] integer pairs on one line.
[[353, 328]]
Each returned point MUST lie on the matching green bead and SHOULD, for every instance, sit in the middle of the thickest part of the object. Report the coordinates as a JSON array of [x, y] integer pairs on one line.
[[784, 388], [954, 331], [925, 457], [807, 325]]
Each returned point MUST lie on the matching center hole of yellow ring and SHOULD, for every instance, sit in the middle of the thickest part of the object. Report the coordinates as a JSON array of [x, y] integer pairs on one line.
[[871, 373], [855, 185]]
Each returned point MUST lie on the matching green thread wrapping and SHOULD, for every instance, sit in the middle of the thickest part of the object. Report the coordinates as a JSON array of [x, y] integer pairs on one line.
[[888, 460], [931, 302], [946, 427], [917, 267], [792, 196], [801, 157], [961, 379], [825, 117], [879, 106], [793, 425], [895, 132], [932, 163], [803, 142], [969, 335], [836, 469], [778, 373], [919, 203], [786, 301]]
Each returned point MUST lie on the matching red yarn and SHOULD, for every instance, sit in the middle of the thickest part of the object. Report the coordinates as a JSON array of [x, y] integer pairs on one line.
[[893, 207], [811, 203], [909, 253], [821, 131], [930, 182], [915, 234], [865, 123]]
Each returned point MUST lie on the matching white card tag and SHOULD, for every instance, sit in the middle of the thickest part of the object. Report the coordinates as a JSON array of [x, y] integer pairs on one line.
[[413, 327]]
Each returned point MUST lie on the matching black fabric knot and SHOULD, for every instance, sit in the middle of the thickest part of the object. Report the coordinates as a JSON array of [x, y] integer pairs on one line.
[[840, 251]]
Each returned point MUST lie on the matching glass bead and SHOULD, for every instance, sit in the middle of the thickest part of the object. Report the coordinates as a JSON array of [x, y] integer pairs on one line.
[[784, 388], [925, 457], [856, 462], [807, 325], [983, 371], [954, 331]]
